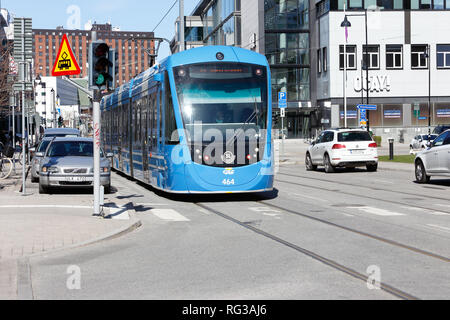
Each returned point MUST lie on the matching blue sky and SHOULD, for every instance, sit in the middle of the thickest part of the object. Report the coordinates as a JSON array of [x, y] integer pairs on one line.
[[129, 15]]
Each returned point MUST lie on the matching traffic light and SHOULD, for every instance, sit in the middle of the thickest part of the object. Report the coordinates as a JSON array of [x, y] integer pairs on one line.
[[113, 68], [60, 121], [99, 65]]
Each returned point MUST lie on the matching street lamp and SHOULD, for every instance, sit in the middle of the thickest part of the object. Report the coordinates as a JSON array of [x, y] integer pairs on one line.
[[54, 108], [427, 55], [347, 24]]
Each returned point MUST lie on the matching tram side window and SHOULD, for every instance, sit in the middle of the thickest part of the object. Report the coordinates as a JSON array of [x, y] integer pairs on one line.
[[171, 134], [152, 130]]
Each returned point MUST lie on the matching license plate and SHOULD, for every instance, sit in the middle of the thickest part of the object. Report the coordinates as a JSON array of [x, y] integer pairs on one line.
[[77, 179], [356, 151]]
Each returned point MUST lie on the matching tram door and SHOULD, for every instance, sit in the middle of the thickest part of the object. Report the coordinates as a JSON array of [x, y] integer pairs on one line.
[[144, 137]]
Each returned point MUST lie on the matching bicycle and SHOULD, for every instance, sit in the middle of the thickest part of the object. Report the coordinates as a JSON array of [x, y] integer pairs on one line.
[[6, 164]]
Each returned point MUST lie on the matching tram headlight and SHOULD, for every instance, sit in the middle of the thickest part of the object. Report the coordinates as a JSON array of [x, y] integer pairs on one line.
[[259, 72]]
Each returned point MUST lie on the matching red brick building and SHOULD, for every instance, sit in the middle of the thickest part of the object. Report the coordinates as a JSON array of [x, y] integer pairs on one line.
[[133, 48]]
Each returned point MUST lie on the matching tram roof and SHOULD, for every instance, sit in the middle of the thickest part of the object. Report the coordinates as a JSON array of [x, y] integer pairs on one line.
[[196, 55]]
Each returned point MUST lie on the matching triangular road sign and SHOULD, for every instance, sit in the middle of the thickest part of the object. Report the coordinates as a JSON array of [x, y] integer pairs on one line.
[[65, 64]]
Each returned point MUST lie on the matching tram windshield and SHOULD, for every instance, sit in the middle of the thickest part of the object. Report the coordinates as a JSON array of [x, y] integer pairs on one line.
[[222, 96]]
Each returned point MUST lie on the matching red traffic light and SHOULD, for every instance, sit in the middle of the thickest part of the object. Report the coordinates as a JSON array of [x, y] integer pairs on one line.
[[101, 50]]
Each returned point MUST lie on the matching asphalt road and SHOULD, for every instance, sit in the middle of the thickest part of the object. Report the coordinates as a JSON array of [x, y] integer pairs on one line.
[[349, 235]]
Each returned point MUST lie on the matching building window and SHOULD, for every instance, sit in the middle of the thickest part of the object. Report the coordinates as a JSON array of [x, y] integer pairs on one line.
[[394, 56], [371, 56], [439, 4], [351, 57], [418, 57], [319, 61], [443, 56], [325, 60]]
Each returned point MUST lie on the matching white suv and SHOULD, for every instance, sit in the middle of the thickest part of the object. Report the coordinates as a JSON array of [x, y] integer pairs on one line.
[[435, 161], [348, 148]]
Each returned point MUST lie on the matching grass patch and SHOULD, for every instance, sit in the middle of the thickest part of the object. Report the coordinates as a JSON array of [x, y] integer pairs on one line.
[[400, 159]]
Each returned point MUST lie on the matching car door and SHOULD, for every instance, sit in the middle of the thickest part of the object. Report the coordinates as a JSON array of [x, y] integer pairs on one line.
[[444, 155], [315, 153], [327, 145], [433, 155]]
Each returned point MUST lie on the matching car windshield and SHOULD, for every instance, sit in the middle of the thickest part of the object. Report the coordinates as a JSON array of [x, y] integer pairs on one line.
[[43, 146], [354, 136], [72, 149], [222, 96], [61, 135], [432, 137]]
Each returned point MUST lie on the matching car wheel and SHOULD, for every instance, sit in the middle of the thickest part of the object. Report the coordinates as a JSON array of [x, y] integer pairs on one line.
[[34, 180], [108, 189], [421, 173], [309, 164], [372, 167], [42, 189], [328, 166]]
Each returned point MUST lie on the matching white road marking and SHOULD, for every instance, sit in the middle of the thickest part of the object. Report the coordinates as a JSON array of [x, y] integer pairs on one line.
[[443, 205], [44, 207], [268, 212], [169, 215], [205, 211], [383, 181], [378, 212], [306, 196], [434, 213], [434, 226]]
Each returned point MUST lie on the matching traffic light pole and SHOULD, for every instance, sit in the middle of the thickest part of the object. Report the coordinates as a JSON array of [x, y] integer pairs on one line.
[[97, 96], [97, 135]]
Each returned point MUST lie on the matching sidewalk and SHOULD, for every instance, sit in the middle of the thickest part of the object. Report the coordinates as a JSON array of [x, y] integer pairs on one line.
[[37, 224]]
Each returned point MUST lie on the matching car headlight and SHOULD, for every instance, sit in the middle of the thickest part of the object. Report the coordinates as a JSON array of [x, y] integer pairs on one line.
[[105, 169], [50, 169]]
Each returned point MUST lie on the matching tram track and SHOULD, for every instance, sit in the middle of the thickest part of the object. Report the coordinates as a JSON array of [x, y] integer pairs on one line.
[[331, 263], [362, 186]]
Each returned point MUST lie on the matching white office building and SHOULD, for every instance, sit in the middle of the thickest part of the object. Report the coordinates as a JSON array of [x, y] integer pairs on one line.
[[403, 78]]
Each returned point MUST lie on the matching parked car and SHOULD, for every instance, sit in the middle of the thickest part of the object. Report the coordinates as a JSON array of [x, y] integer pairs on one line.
[[348, 148], [421, 142], [36, 161], [61, 133], [441, 128], [69, 162], [434, 161]]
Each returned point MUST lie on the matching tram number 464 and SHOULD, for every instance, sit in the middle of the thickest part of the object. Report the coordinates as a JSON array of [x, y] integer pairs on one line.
[[228, 182]]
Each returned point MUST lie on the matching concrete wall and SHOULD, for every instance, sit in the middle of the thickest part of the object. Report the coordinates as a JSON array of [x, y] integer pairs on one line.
[[252, 19]]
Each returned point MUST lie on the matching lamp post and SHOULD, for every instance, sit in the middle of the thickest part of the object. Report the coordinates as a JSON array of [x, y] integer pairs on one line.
[[54, 123], [347, 24], [427, 55]]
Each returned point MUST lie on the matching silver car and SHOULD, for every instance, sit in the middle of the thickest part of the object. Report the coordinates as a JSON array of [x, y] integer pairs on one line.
[[61, 133], [69, 162], [36, 162]]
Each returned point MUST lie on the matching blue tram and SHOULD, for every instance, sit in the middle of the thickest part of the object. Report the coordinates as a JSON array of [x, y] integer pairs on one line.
[[199, 122]]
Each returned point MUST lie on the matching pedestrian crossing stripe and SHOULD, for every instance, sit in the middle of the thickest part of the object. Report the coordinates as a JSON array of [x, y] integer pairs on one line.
[[65, 63]]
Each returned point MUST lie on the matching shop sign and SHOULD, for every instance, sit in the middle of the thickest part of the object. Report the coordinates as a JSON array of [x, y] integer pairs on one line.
[[392, 114], [443, 113], [376, 83]]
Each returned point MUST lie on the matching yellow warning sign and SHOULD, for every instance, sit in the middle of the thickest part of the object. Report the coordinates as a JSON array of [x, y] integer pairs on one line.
[[65, 64]]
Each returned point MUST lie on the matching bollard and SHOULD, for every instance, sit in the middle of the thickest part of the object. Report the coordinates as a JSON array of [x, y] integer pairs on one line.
[[391, 149]]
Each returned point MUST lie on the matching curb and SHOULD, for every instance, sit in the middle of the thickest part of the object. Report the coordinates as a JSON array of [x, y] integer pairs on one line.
[[24, 282]]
